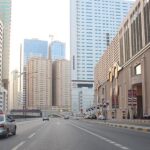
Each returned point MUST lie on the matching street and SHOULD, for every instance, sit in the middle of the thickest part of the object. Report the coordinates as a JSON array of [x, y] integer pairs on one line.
[[60, 134]]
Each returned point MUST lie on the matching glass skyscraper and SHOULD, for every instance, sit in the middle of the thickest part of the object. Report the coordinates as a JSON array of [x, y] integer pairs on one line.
[[5, 17], [94, 23], [35, 47], [57, 50]]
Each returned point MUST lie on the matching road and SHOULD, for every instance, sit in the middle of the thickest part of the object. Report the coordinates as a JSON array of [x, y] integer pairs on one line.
[[60, 134]]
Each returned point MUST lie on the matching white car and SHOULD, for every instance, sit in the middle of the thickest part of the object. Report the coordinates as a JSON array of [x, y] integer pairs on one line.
[[101, 117], [7, 125], [66, 117], [45, 118]]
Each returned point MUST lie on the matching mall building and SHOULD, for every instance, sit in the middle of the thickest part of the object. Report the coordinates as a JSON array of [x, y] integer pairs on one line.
[[122, 75]]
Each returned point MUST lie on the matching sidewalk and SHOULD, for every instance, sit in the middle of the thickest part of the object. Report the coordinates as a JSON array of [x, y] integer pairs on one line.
[[140, 125]]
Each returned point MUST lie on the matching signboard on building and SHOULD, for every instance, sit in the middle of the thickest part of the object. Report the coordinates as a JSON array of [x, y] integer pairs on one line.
[[132, 98]]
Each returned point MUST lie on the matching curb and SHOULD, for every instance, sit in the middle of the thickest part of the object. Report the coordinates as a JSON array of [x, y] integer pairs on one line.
[[129, 127], [137, 128]]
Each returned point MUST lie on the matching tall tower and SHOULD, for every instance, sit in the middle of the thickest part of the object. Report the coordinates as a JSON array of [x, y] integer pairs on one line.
[[32, 48], [35, 47], [39, 83], [5, 16], [61, 84], [57, 50], [93, 25]]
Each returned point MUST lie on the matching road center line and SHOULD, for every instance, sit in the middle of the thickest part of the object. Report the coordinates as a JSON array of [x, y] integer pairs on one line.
[[29, 137], [101, 137], [19, 145]]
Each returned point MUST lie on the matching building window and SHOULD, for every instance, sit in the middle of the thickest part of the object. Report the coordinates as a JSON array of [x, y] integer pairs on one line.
[[147, 22], [138, 69], [136, 35], [127, 45], [103, 90], [121, 52], [73, 62]]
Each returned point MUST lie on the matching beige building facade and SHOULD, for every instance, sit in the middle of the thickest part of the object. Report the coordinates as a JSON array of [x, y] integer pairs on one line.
[[14, 90], [39, 83], [61, 84], [122, 74]]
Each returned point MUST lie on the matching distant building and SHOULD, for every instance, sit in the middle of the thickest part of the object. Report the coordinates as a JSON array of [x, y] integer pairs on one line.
[[35, 47], [85, 99], [82, 97], [5, 17], [61, 84], [31, 48], [57, 50], [14, 90], [94, 23], [39, 83]]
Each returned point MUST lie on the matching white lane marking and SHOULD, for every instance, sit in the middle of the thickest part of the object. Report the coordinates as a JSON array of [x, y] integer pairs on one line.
[[29, 137], [124, 147], [19, 145], [101, 137]]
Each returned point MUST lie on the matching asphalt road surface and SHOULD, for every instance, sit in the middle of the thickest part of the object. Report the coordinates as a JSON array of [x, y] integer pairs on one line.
[[60, 134]]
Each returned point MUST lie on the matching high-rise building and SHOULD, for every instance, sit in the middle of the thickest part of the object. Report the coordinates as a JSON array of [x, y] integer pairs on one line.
[[35, 47], [1, 50], [3, 91], [5, 16], [93, 25], [57, 50], [32, 48], [61, 84], [39, 83]]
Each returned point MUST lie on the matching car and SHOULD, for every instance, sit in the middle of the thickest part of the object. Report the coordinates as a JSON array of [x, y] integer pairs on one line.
[[66, 117], [45, 118], [7, 125], [93, 116], [101, 117], [87, 117], [76, 118]]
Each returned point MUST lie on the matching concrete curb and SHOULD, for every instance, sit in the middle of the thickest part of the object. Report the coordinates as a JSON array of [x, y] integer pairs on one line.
[[132, 127]]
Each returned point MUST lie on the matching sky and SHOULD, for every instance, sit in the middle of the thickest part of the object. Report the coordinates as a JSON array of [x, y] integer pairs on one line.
[[38, 19]]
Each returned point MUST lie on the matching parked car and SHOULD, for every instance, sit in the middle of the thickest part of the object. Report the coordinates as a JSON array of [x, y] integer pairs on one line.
[[101, 117], [93, 116], [86, 116], [66, 117], [7, 125], [45, 118]]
